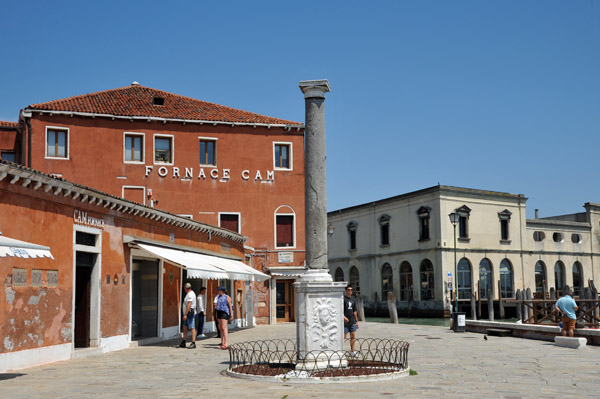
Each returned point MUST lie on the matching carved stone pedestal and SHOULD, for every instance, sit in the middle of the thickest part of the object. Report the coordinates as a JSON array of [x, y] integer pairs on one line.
[[319, 320]]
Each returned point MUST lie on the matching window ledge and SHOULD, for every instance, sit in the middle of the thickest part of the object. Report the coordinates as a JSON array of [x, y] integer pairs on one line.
[[352, 250], [424, 239], [463, 239], [384, 245], [505, 241]]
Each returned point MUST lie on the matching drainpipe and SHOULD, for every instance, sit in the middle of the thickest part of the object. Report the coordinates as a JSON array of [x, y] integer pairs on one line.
[[27, 117]]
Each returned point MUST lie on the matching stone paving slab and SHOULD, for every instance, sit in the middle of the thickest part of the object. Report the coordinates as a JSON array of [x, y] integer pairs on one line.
[[457, 365]]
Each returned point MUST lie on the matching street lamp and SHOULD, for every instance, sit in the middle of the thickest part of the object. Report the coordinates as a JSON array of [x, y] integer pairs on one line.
[[454, 217]]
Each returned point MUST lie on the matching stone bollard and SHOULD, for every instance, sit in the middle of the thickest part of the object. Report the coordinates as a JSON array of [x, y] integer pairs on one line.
[[490, 300], [391, 302], [360, 308]]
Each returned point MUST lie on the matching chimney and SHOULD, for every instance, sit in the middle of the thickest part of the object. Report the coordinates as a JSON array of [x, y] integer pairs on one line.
[[537, 213]]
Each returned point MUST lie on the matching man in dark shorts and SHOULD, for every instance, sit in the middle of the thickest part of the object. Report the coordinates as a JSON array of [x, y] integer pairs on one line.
[[350, 318]]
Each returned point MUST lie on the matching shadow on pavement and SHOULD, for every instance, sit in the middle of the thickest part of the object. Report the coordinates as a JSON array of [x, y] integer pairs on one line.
[[10, 376]]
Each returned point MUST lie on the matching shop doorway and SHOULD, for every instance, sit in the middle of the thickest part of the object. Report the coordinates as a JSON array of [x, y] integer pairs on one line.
[[84, 265], [284, 304], [144, 299]]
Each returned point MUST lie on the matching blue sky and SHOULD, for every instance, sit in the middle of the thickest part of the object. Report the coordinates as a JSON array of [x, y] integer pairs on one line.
[[495, 95]]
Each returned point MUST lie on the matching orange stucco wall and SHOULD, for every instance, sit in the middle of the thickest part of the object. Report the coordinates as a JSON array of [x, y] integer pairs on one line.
[[171, 296], [96, 159], [33, 317]]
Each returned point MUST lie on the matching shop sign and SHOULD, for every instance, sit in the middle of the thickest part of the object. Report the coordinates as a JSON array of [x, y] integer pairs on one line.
[[223, 175], [82, 217]]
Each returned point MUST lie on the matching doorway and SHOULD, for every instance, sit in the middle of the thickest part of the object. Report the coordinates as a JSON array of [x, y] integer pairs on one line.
[[284, 304], [84, 265], [144, 299]]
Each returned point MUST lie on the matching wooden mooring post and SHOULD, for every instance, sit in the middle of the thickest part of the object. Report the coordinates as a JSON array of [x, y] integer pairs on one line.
[[490, 300], [391, 302], [519, 304], [473, 307], [360, 308], [527, 314], [500, 303]]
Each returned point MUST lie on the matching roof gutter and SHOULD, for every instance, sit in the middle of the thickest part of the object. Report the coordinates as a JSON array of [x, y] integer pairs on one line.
[[289, 127]]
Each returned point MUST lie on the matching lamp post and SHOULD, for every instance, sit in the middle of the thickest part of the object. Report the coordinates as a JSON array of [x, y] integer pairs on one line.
[[454, 220]]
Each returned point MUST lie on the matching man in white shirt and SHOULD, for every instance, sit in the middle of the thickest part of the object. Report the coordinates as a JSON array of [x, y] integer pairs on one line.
[[200, 313], [189, 315]]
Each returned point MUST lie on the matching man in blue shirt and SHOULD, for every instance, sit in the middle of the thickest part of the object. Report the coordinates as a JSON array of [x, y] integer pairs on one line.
[[567, 308]]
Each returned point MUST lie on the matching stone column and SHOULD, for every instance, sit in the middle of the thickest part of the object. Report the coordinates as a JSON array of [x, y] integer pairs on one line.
[[319, 300]]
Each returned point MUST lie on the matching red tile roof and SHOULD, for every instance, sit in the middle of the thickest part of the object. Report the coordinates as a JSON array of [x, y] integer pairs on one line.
[[9, 125], [138, 101]]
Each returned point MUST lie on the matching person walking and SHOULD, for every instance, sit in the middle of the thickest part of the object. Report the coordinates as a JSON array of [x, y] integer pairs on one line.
[[350, 318], [567, 307], [189, 315], [200, 313], [224, 315]]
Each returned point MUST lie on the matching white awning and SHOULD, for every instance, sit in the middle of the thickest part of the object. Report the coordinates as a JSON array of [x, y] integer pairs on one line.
[[22, 249], [287, 271], [205, 266]]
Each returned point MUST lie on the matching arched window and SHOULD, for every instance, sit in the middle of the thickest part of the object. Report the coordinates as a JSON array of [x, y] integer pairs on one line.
[[463, 279], [406, 281], [285, 227], [577, 278], [427, 280], [540, 276], [485, 278], [339, 274], [559, 278], [355, 279], [387, 280], [506, 279]]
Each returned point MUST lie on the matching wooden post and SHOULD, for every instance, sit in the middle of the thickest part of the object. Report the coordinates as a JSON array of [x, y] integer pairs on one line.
[[478, 301], [594, 304], [411, 299], [391, 302], [473, 307], [519, 304], [490, 299], [528, 309], [376, 303], [500, 303], [552, 293], [587, 294], [360, 308]]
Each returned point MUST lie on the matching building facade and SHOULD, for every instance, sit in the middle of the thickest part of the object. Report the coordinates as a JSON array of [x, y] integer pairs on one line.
[[85, 272], [405, 244], [203, 161]]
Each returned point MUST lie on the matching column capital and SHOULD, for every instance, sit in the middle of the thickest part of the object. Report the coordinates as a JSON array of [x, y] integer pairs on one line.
[[314, 88]]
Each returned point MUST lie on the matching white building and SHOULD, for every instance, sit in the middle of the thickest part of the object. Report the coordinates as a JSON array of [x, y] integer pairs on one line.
[[405, 244]]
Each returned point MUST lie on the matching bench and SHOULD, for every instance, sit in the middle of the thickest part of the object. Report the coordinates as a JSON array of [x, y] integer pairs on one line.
[[499, 332], [570, 342]]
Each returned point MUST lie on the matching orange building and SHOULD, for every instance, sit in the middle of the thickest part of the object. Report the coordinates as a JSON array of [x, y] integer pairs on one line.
[[84, 272], [203, 161]]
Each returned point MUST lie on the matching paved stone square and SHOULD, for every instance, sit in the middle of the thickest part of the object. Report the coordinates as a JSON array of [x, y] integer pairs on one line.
[[448, 364]]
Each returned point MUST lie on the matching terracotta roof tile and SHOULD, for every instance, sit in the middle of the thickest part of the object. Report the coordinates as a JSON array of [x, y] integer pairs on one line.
[[9, 125], [138, 101]]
